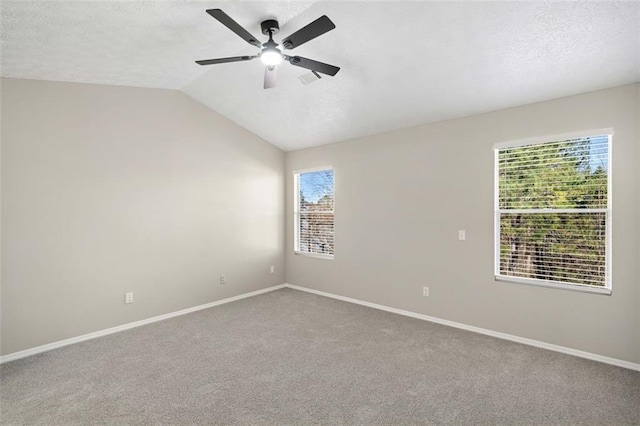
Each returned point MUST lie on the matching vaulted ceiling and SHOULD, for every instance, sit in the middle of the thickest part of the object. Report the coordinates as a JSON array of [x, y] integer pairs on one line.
[[402, 63]]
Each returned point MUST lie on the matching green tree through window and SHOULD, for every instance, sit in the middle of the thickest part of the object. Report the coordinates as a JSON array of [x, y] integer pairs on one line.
[[553, 211]]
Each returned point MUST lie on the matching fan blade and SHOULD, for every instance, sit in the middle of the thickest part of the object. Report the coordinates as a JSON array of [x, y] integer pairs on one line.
[[233, 26], [318, 27], [270, 75], [225, 60], [312, 65]]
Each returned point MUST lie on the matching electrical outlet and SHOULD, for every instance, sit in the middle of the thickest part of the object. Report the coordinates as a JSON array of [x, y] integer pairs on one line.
[[128, 298], [462, 235], [272, 269], [223, 279], [425, 291]]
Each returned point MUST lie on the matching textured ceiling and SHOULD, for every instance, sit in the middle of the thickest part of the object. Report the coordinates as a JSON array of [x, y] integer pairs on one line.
[[403, 63]]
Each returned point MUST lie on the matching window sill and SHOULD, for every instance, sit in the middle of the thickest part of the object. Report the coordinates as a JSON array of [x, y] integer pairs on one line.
[[550, 284], [317, 255]]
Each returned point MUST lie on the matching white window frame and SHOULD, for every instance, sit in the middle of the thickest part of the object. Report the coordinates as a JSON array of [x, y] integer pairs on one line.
[[607, 289], [296, 212]]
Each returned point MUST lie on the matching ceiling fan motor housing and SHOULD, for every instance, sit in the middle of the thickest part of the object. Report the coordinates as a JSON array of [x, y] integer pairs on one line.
[[270, 26]]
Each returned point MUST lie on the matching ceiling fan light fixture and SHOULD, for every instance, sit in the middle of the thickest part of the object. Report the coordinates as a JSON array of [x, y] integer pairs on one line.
[[271, 56]]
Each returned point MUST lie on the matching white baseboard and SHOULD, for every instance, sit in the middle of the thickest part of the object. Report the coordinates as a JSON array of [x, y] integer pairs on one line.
[[531, 342], [505, 336], [100, 333]]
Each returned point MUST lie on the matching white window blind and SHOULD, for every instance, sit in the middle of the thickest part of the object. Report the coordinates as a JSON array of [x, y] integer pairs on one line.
[[553, 212], [314, 204]]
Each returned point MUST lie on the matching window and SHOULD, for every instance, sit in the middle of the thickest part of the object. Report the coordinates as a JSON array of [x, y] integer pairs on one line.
[[313, 192], [553, 212]]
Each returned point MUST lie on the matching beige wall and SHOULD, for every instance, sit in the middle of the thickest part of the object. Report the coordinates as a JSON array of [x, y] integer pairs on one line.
[[637, 213], [107, 190], [402, 196], [111, 189]]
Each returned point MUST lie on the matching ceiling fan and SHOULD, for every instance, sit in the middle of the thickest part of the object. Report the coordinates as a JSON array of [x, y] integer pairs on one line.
[[271, 52]]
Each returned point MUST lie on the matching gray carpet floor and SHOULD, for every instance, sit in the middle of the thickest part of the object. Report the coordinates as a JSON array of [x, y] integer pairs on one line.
[[293, 358]]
